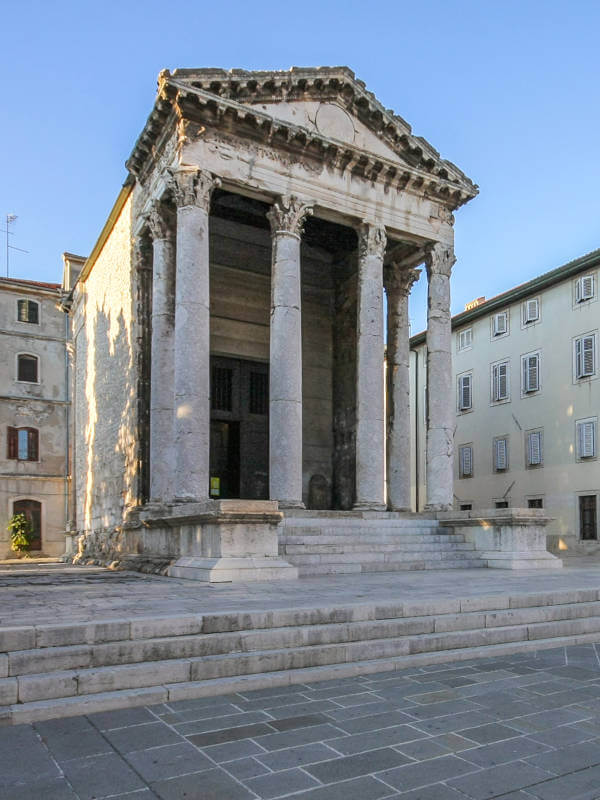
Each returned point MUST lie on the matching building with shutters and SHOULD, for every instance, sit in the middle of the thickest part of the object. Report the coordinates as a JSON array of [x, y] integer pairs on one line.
[[527, 401], [35, 410]]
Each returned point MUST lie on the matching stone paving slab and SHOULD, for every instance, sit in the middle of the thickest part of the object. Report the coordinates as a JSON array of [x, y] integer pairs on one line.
[[59, 594], [300, 748]]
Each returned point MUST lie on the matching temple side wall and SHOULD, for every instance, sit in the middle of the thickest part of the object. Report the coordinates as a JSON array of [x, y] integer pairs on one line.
[[105, 338]]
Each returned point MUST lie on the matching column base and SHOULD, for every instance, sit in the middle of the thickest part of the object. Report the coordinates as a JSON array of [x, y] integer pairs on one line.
[[366, 506], [433, 508], [283, 504]]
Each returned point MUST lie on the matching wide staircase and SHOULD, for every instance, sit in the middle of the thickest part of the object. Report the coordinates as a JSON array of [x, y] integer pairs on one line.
[[63, 670], [326, 543]]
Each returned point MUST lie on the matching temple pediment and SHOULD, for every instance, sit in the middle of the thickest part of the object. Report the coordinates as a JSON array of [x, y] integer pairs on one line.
[[324, 110]]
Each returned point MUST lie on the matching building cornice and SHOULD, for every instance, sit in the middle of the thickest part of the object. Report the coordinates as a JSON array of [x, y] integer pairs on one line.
[[29, 287], [520, 292], [218, 99]]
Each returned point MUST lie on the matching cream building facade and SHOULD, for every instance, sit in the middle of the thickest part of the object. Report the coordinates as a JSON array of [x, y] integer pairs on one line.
[[526, 400], [228, 325], [34, 413]]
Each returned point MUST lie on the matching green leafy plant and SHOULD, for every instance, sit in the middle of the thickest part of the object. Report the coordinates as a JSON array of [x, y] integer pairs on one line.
[[21, 533]]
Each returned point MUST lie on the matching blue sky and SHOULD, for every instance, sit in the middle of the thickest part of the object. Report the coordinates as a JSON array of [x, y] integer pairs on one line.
[[507, 90]]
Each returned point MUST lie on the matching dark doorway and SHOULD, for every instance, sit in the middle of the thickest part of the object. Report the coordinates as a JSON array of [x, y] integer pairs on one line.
[[239, 431], [33, 512]]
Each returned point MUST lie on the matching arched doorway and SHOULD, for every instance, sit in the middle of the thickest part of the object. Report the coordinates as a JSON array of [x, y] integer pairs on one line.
[[33, 511]]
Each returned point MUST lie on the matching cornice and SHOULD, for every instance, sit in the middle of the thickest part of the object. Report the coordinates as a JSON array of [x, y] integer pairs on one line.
[[213, 97]]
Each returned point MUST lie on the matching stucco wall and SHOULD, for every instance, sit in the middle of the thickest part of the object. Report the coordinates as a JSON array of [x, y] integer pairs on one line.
[[555, 408]]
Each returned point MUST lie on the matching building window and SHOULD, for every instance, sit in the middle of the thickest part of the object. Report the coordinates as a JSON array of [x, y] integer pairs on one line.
[[28, 311], [465, 461], [585, 356], [500, 324], [501, 454], [222, 389], [259, 392], [465, 392], [27, 368], [534, 449], [501, 504], [500, 382], [465, 339], [530, 370], [466, 507], [535, 502], [584, 288], [32, 510], [531, 311], [588, 517], [586, 438], [23, 444]]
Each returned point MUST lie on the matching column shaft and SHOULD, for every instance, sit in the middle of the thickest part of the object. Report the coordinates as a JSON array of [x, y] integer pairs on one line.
[[285, 392], [370, 425], [398, 284], [192, 335], [440, 394]]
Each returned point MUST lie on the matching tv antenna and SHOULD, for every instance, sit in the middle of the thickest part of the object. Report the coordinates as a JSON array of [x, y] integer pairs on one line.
[[10, 218]]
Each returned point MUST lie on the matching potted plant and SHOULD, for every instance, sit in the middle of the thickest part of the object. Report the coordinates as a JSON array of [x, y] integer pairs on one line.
[[20, 530]]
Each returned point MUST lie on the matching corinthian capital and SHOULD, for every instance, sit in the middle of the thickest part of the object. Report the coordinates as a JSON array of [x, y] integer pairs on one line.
[[440, 259], [372, 240], [288, 215], [400, 279], [193, 187], [160, 221]]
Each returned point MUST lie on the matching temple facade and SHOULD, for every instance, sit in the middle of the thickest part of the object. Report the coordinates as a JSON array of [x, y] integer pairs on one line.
[[228, 326]]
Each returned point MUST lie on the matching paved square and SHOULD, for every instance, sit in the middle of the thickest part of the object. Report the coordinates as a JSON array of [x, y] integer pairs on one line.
[[511, 727]]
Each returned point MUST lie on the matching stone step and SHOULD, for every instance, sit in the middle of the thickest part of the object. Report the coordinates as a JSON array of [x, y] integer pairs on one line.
[[341, 555], [63, 667], [356, 566], [335, 520], [52, 708], [354, 546]]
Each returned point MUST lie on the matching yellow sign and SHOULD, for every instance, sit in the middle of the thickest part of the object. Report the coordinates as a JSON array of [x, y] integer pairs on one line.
[[215, 487]]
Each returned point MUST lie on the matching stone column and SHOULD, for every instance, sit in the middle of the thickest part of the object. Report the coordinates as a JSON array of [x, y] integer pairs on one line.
[[440, 391], [285, 406], [370, 418], [398, 283], [162, 228], [192, 190]]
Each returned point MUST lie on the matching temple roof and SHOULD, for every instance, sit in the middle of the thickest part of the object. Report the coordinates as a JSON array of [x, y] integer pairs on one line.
[[267, 96]]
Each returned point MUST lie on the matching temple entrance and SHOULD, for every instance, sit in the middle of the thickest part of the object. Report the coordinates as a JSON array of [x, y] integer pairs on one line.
[[239, 429]]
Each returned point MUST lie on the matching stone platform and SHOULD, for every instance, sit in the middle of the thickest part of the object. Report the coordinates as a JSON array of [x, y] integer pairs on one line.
[[76, 639]]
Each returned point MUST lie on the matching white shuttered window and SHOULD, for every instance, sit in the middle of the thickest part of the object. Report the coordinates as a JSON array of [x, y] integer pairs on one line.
[[500, 454], [584, 288], [465, 339], [466, 461], [500, 381], [534, 448], [585, 356], [531, 372], [586, 438], [465, 399], [500, 323], [531, 311]]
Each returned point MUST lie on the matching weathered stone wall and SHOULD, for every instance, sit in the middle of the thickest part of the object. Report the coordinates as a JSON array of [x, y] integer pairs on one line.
[[105, 338]]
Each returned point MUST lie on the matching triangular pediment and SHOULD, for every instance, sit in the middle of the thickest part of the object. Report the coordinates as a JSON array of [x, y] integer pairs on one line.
[[330, 101]]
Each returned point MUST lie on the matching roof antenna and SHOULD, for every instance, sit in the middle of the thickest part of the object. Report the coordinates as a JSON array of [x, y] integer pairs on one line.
[[10, 218]]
